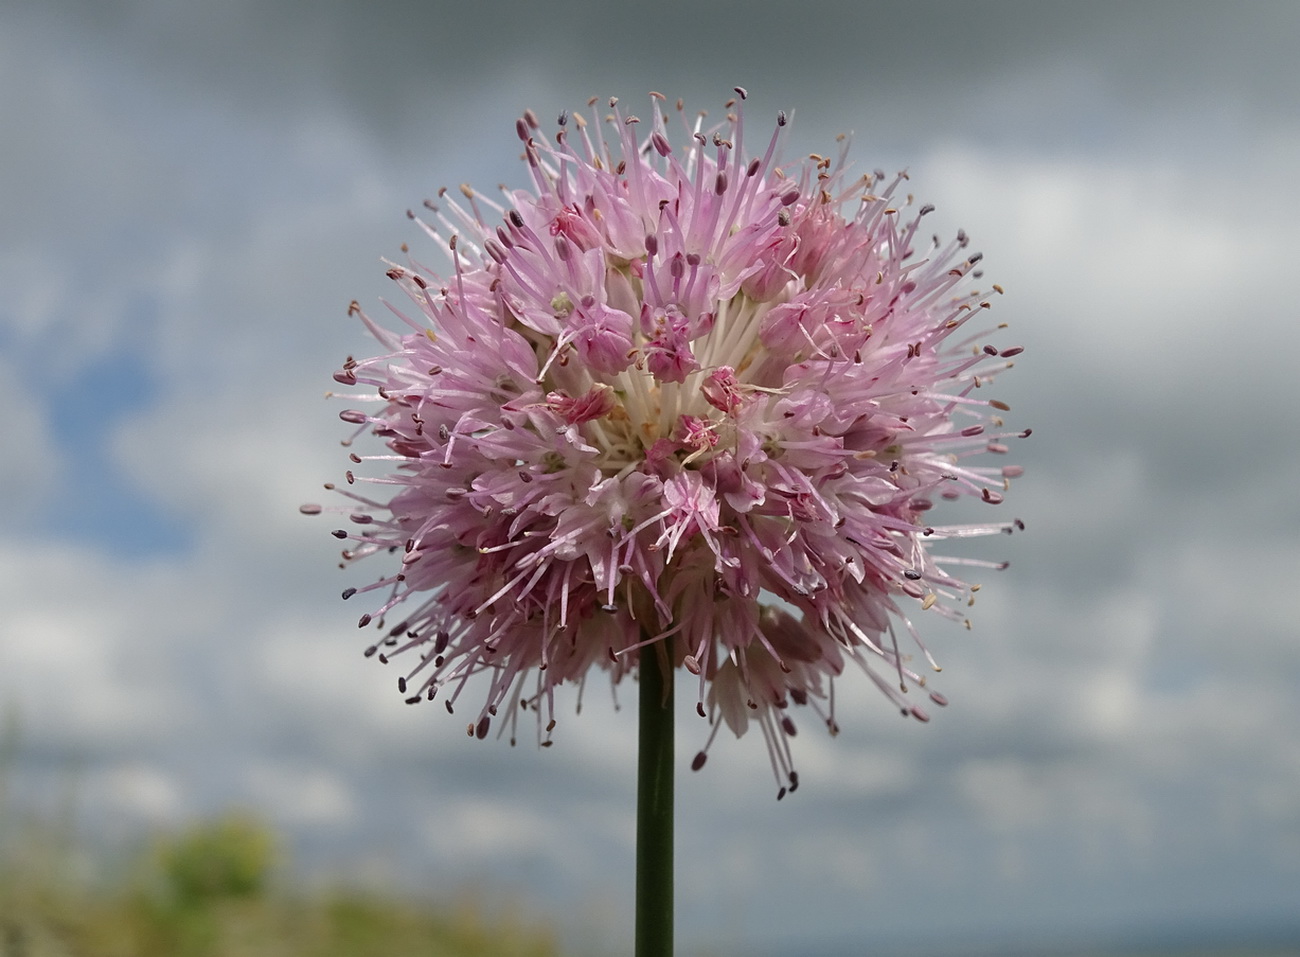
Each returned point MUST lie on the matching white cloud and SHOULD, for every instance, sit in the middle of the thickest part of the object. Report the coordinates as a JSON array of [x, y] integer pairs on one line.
[[1137, 271], [84, 656], [139, 792], [301, 796], [470, 830]]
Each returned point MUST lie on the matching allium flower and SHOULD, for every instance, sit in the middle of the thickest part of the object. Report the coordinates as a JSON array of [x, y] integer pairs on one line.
[[674, 394]]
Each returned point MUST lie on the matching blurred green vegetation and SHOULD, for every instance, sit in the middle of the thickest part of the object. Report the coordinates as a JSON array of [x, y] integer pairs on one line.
[[208, 891], [214, 889]]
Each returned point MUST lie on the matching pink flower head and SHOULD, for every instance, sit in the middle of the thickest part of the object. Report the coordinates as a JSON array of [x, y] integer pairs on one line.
[[694, 433], [596, 403], [604, 337], [721, 389], [675, 394], [667, 351]]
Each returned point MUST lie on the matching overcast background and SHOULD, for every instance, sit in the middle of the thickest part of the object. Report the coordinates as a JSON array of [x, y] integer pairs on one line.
[[192, 193]]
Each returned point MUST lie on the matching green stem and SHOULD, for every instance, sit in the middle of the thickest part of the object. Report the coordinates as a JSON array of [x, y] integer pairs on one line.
[[654, 807]]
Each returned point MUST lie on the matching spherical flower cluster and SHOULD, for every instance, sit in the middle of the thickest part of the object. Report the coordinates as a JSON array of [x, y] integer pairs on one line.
[[675, 396]]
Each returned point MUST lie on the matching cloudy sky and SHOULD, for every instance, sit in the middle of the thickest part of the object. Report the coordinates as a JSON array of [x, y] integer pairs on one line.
[[194, 192]]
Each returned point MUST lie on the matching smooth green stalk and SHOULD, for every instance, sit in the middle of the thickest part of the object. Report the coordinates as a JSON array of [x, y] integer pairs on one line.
[[654, 807]]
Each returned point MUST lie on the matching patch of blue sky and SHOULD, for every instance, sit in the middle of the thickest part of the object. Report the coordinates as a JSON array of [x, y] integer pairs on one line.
[[96, 502]]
